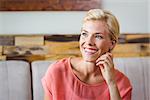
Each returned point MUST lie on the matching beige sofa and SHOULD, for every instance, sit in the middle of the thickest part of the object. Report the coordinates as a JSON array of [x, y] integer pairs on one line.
[[20, 80]]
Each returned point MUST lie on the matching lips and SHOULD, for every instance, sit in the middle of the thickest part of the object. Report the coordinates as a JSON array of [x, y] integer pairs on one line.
[[90, 50]]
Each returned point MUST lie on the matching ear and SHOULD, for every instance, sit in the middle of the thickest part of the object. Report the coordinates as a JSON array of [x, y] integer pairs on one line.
[[113, 44]]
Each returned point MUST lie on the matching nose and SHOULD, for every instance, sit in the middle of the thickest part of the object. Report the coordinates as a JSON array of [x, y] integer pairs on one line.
[[90, 41]]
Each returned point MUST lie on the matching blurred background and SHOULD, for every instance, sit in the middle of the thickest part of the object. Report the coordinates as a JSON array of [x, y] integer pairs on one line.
[[49, 29]]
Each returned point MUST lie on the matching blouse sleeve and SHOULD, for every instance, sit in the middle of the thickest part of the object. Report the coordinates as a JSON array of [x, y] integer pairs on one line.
[[46, 89], [128, 94], [46, 83], [124, 86]]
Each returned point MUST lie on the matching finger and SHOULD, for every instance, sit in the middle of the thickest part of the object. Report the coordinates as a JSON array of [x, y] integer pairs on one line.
[[109, 61], [104, 65], [100, 64], [101, 57], [106, 59], [110, 54], [102, 68], [109, 57]]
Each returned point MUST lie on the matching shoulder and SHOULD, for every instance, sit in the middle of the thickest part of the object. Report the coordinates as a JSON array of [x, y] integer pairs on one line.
[[58, 66], [121, 78], [55, 74]]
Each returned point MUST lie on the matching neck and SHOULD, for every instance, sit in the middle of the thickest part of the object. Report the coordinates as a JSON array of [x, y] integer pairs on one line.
[[89, 68]]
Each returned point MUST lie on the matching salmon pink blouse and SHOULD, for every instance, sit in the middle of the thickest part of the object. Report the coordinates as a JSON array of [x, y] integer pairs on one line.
[[60, 83]]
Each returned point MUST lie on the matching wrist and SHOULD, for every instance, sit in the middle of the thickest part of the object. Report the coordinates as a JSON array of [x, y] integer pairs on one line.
[[114, 92], [112, 84]]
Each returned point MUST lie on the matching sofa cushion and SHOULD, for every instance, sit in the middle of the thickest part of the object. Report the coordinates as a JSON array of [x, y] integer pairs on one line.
[[15, 80], [137, 70], [38, 70]]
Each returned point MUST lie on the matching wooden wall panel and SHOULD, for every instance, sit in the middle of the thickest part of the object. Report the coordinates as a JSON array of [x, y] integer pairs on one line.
[[52, 47], [132, 50], [2, 57], [25, 50], [29, 40], [58, 50], [6, 40], [0, 50]]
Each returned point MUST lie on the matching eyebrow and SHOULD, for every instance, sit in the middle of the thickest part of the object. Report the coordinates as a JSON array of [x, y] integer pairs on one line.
[[98, 33], [94, 33], [84, 30]]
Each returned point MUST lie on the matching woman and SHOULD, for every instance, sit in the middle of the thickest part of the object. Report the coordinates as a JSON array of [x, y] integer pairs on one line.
[[92, 77]]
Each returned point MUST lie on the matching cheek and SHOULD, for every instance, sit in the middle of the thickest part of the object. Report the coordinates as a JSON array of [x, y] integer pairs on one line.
[[103, 46], [81, 42]]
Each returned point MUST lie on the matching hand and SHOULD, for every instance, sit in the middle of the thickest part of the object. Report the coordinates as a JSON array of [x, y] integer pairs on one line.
[[106, 65]]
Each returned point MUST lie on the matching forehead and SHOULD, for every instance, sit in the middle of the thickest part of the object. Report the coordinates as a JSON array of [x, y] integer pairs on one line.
[[95, 26]]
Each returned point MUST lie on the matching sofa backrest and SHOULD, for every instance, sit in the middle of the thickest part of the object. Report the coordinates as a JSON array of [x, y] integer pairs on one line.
[[136, 69], [38, 70], [15, 80]]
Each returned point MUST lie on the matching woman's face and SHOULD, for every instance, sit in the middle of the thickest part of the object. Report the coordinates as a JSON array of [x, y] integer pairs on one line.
[[94, 40]]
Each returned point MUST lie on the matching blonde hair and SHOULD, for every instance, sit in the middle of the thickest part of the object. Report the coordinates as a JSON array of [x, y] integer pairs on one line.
[[106, 16]]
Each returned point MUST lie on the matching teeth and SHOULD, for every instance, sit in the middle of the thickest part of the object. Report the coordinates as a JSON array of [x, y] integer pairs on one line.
[[90, 51]]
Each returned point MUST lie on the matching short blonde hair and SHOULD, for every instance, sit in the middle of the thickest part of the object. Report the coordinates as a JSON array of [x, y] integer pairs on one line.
[[108, 17]]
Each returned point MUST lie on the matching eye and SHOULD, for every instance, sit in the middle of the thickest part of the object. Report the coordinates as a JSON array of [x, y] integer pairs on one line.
[[84, 34], [98, 36]]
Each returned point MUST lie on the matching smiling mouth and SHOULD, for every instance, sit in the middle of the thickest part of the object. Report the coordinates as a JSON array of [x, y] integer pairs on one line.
[[90, 51]]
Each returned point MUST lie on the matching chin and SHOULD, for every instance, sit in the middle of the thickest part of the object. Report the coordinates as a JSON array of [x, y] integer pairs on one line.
[[90, 59]]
